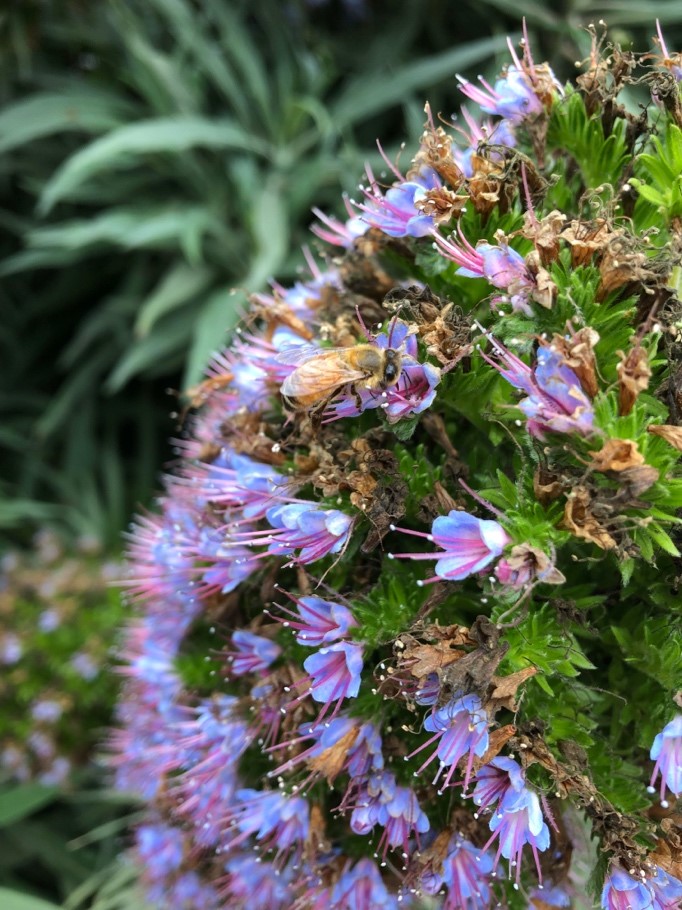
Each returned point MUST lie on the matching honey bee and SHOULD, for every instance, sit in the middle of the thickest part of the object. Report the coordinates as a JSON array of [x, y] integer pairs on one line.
[[322, 373]]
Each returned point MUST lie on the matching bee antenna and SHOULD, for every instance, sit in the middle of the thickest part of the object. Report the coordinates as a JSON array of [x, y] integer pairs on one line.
[[366, 332]]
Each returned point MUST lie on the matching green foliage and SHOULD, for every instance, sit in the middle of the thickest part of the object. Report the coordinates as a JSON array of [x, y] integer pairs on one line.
[[663, 168]]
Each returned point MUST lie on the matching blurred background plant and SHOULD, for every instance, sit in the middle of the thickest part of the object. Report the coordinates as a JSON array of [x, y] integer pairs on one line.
[[157, 157]]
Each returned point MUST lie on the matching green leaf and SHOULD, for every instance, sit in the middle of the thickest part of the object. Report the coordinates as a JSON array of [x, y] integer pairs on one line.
[[177, 287], [17, 900], [23, 800], [124, 146], [71, 110], [370, 93]]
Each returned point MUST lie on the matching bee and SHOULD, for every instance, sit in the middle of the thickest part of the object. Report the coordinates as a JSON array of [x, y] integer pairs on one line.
[[322, 373]]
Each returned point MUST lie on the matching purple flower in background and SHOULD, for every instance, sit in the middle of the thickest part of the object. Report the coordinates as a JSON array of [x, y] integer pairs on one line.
[[360, 887], [666, 751], [252, 883], [11, 649], [622, 891], [555, 399], [252, 653], [46, 710], [317, 622], [460, 728], [550, 896], [470, 545]]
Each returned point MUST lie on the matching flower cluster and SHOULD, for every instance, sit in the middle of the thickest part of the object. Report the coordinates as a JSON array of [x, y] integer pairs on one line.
[[313, 723]]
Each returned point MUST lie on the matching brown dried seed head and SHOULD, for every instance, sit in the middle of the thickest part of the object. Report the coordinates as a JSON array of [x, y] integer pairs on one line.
[[442, 204], [617, 455], [587, 238], [633, 377], [579, 520], [545, 234]]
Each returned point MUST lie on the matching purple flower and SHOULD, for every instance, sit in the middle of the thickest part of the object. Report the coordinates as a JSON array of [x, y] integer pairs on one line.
[[460, 727], [672, 61], [363, 756], [464, 872], [524, 89], [666, 891], [513, 96], [496, 780], [317, 622], [340, 233], [334, 674], [253, 653], [274, 819], [395, 808], [500, 265], [666, 751], [360, 887], [555, 399], [306, 527], [518, 818], [252, 883], [470, 544], [395, 212], [236, 482], [623, 892]]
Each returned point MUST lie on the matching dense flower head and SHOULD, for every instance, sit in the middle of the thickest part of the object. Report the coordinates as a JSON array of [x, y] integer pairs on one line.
[[358, 742]]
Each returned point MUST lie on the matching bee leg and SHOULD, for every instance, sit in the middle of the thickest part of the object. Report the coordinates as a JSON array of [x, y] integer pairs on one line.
[[317, 413], [358, 400]]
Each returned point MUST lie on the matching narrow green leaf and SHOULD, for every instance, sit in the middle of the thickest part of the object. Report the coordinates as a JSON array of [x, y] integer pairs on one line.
[[17, 900], [124, 146], [371, 93], [177, 287], [74, 110], [23, 800]]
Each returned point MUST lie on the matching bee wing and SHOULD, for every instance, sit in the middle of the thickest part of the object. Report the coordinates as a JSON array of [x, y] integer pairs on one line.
[[320, 374], [295, 354]]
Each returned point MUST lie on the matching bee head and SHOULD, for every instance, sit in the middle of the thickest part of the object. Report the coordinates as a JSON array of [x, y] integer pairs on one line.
[[391, 366]]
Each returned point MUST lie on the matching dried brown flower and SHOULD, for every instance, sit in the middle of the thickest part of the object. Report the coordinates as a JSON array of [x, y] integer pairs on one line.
[[634, 373]]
